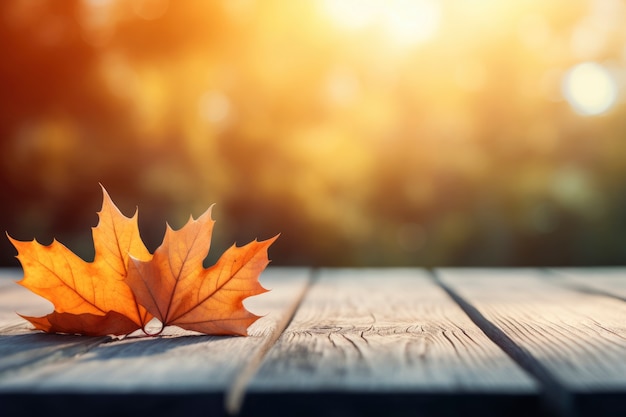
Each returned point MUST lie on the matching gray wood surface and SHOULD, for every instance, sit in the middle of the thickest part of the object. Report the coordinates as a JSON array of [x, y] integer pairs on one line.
[[610, 281], [375, 332], [574, 341], [177, 362], [8, 276], [16, 299], [378, 341], [19, 345]]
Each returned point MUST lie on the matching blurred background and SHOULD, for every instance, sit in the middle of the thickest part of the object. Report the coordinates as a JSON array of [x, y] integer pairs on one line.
[[366, 132]]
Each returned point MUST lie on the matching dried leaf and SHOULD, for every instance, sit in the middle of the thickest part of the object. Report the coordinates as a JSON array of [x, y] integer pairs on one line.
[[95, 289], [175, 287], [85, 324], [125, 286]]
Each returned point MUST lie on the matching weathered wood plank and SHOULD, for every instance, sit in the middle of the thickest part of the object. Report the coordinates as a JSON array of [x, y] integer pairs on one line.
[[8, 276], [364, 339], [16, 299], [19, 345], [182, 366], [610, 281], [574, 342]]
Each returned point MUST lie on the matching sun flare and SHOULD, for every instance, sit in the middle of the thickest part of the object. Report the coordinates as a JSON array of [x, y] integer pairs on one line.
[[405, 22], [589, 88]]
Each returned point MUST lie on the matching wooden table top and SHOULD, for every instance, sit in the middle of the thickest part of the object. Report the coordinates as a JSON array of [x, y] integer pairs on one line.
[[346, 342]]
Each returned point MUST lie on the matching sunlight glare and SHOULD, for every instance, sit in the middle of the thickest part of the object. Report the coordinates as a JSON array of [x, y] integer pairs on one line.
[[405, 22], [589, 88], [412, 21], [342, 87], [214, 107], [352, 14]]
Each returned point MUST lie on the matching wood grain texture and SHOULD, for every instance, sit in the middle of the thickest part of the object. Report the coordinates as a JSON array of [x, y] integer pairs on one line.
[[383, 335], [16, 299], [180, 363], [579, 338], [610, 281], [21, 347]]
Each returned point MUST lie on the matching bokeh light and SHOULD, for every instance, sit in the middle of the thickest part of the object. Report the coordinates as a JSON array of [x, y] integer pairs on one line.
[[366, 132], [405, 22], [412, 21], [352, 14], [589, 88]]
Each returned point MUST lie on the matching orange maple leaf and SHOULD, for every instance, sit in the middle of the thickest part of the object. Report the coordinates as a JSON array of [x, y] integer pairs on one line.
[[89, 298], [175, 287], [125, 286]]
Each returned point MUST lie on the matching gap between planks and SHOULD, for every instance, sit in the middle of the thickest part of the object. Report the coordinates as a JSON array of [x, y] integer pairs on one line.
[[110, 369], [235, 394], [573, 341], [604, 281], [365, 338], [555, 395]]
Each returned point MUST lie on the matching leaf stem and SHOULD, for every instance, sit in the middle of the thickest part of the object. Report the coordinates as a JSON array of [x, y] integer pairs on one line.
[[145, 331]]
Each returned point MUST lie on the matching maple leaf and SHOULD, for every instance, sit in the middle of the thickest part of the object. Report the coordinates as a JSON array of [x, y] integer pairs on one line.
[[125, 286], [175, 287], [89, 298]]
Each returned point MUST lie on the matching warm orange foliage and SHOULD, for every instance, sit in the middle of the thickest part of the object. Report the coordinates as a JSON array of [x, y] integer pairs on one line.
[[176, 289], [89, 289], [125, 286]]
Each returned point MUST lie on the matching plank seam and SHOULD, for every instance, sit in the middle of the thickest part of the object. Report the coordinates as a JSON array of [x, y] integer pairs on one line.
[[235, 395], [555, 395], [562, 280]]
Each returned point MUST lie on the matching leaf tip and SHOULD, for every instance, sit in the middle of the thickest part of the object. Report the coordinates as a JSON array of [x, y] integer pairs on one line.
[[19, 244], [16, 242], [207, 213], [272, 239], [39, 323], [267, 242], [109, 205], [10, 238], [105, 194]]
